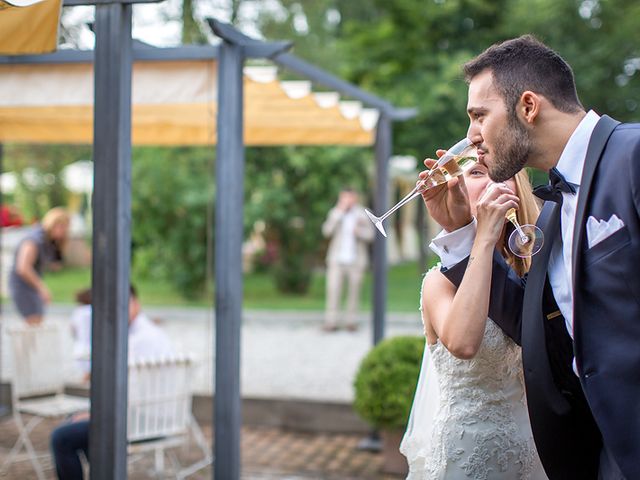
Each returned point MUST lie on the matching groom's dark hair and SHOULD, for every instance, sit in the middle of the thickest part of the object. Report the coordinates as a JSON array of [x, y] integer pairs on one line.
[[525, 63]]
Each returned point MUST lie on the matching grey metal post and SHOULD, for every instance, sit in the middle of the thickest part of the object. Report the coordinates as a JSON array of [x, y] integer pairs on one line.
[[228, 261], [227, 416], [111, 241], [383, 145], [380, 204]]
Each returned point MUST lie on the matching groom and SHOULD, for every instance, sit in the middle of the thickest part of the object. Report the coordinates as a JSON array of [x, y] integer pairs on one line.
[[578, 319]]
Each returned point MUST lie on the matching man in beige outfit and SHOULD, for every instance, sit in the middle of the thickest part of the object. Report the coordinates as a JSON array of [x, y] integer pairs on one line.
[[350, 231]]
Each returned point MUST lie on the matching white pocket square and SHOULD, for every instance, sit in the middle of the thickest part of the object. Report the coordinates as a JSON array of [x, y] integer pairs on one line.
[[598, 230]]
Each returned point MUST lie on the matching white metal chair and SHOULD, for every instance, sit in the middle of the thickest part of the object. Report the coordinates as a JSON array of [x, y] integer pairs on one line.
[[159, 412], [37, 386]]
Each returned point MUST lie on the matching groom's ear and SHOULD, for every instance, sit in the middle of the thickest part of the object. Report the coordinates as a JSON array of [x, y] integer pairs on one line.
[[528, 107]]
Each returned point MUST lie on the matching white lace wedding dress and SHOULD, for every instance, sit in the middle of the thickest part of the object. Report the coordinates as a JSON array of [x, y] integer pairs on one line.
[[472, 422]]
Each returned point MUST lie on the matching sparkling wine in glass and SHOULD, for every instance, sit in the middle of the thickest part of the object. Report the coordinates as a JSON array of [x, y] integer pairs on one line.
[[457, 160], [525, 240]]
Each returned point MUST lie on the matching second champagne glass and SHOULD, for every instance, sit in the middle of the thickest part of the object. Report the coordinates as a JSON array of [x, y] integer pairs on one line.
[[525, 240]]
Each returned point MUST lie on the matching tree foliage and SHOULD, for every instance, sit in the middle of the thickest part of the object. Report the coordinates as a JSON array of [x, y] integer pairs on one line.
[[172, 216], [191, 32], [39, 173], [291, 191], [410, 52]]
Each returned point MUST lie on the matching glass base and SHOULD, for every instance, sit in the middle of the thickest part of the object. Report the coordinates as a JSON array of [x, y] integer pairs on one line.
[[376, 221], [526, 242]]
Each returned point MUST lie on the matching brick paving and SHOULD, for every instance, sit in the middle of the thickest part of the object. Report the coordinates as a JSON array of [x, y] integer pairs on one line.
[[267, 454]]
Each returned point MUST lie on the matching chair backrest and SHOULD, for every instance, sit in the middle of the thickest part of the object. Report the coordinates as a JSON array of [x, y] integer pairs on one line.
[[37, 360], [159, 398]]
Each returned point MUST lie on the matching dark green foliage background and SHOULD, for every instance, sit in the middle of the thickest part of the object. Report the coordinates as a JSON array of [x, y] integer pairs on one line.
[[406, 51], [172, 216]]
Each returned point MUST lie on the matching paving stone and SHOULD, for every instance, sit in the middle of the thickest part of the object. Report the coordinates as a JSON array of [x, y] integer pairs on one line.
[[289, 459]]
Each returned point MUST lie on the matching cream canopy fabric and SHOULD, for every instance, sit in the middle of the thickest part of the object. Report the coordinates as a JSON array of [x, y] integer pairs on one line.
[[29, 26], [174, 103]]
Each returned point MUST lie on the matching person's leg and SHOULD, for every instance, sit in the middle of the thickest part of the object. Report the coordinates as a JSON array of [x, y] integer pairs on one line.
[[66, 441], [29, 304], [334, 287], [353, 303]]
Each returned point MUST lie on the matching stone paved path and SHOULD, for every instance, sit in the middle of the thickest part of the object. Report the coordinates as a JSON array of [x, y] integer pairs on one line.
[[267, 454], [284, 355]]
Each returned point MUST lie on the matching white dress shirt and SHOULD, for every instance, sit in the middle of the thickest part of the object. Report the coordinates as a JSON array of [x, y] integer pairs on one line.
[[147, 341], [453, 247], [570, 165], [81, 331], [348, 242]]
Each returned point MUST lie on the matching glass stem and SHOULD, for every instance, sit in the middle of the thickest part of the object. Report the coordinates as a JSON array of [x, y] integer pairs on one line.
[[410, 196], [511, 216], [417, 191]]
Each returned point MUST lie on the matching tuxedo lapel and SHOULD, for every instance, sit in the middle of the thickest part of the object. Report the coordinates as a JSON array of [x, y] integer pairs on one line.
[[548, 223], [535, 356], [598, 140]]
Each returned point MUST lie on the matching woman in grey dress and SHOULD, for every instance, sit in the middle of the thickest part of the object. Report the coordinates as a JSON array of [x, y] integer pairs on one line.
[[34, 253]]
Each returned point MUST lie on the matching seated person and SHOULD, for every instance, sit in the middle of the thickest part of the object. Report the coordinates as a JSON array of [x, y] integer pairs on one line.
[[146, 341], [81, 332]]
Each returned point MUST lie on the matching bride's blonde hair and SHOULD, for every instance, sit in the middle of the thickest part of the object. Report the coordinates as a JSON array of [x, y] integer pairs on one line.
[[527, 214]]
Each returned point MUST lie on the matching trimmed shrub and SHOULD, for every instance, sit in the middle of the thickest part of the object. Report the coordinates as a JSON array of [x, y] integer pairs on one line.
[[386, 381]]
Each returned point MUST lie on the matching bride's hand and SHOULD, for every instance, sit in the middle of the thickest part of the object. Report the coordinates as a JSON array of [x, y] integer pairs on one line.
[[491, 209]]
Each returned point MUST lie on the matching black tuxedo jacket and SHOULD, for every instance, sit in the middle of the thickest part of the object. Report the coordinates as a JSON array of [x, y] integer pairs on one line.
[[570, 417]]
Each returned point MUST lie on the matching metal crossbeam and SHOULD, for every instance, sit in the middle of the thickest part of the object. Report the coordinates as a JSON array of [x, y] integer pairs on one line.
[[140, 53], [251, 48], [322, 77], [317, 75]]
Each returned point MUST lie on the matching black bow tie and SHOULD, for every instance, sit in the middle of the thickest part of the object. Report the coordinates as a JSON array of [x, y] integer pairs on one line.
[[557, 186]]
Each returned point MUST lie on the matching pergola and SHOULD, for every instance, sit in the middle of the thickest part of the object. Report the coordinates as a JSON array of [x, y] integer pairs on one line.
[[95, 103], [174, 102]]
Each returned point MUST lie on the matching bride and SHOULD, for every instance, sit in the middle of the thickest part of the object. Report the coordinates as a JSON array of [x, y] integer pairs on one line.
[[469, 418]]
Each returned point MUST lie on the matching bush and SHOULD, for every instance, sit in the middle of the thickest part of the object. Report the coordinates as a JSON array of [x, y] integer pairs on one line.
[[386, 381]]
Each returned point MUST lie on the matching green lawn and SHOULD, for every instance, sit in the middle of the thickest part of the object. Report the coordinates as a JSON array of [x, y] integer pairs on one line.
[[259, 290]]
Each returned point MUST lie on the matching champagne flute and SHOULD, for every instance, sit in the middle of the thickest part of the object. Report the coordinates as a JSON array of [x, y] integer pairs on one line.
[[457, 160], [525, 240]]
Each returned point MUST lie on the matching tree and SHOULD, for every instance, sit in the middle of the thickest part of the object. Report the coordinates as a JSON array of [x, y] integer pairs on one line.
[[312, 26], [599, 39], [191, 31], [172, 216]]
